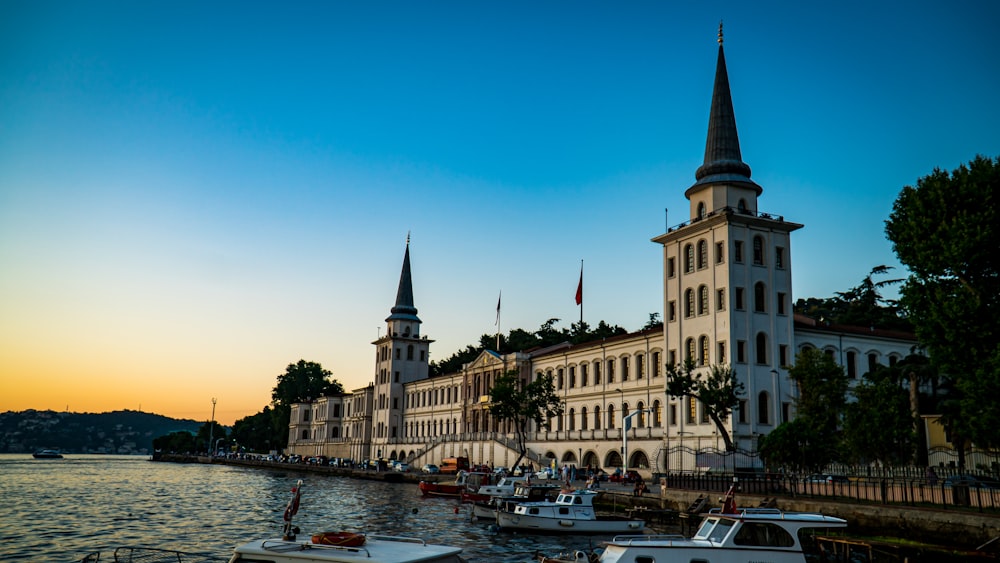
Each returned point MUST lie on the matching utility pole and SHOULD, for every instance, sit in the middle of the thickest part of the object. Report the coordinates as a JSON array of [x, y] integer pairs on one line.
[[211, 430]]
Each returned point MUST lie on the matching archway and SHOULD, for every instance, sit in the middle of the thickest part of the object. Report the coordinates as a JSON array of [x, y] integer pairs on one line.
[[569, 457], [638, 460], [613, 459], [590, 459]]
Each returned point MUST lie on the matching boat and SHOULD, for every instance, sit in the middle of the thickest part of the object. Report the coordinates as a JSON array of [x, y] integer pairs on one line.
[[467, 482], [731, 535], [571, 512], [324, 547], [47, 454], [523, 492], [485, 493]]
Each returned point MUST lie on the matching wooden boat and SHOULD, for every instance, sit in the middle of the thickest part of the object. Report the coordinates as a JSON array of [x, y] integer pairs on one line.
[[731, 535], [465, 482], [572, 512]]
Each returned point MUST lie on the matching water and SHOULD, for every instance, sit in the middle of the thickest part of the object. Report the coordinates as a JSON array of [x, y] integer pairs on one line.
[[61, 510]]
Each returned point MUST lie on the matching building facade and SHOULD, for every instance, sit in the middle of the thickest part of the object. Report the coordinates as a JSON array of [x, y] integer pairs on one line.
[[727, 297]]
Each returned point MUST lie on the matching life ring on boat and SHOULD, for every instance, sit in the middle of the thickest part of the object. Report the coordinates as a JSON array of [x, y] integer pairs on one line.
[[343, 539]]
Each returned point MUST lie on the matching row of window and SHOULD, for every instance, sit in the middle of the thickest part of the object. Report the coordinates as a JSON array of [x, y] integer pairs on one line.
[[696, 302], [695, 255], [697, 351], [564, 380], [382, 353], [642, 417]]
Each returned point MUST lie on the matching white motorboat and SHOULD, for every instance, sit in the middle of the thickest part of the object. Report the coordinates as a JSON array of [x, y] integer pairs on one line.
[[730, 535], [572, 512], [523, 492]]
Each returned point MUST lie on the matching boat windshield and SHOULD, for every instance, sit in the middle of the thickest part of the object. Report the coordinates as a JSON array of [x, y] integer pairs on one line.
[[714, 529]]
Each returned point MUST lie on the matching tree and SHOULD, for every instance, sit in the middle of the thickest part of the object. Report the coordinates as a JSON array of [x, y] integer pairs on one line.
[[301, 382], [718, 390], [518, 404], [878, 424], [256, 433], [209, 431], [945, 230], [795, 445], [862, 305]]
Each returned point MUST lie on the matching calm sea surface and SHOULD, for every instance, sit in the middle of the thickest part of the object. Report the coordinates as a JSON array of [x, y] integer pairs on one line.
[[61, 510]]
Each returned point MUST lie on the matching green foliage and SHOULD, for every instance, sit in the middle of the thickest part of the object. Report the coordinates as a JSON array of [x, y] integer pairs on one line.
[[878, 425], [510, 401], [795, 445], [946, 230], [303, 381], [260, 432], [176, 442], [718, 390], [209, 431], [862, 305], [519, 340]]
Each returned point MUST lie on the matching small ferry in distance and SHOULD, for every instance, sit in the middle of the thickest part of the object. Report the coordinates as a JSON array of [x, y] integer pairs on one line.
[[47, 454]]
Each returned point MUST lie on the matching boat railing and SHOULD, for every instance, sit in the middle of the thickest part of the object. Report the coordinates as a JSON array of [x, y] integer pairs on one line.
[[628, 539], [749, 511], [281, 546], [397, 538]]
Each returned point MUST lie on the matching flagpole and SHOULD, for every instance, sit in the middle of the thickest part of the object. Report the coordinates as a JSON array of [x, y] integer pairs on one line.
[[500, 295]]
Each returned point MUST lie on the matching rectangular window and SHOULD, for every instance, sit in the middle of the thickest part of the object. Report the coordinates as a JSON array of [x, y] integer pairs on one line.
[[783, 355], [672, 311], [786, 411], [640, 366], [572, 377], [671, 271], [673, 415], [741, 351], [656, 364], [672, 358], [779, 258], [583, 375], [781, 303], [741, 411], [692, 410], [738, 251], [611, 370], [720, 300], [625, 370], [738, 298], [720, 254], [721, 352], [597, 373]]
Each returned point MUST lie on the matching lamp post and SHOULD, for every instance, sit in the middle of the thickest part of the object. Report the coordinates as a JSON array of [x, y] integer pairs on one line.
[[624, 434], [211, 428]]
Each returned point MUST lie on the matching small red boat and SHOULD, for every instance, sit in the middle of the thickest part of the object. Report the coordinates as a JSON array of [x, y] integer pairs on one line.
[[464, 483]]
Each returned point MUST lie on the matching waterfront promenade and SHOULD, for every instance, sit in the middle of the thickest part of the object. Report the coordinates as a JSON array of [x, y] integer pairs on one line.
[[965, 528]]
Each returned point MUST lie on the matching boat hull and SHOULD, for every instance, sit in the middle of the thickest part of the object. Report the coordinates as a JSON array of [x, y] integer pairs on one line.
[[511, 521], [441, 489]]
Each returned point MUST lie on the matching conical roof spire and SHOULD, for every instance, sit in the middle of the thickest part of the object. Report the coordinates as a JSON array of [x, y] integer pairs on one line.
[[723, 161], [404, 309]]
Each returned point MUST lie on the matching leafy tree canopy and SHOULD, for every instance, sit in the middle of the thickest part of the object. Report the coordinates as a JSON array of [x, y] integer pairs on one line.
[[718, 390], [519, 340], [862, 305], [878, 424], [513, 401], [945, 230], [302, 381]]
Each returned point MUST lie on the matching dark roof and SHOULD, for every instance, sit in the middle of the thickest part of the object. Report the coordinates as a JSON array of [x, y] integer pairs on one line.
[[566, 347], [723, 161], [404, 309], [809, 323]]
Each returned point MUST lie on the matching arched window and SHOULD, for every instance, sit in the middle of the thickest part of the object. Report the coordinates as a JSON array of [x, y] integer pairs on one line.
[[703, 351], [688, 303], [758, 250], [742, 206], [702, 254], [759, 297], [762, 408], [611, 417], [640, 408], [701, 210], [657, 418], [688, 258], [702, 300], [761, 348], [572, 419], [583, 418], [689, 349], [597, 417]]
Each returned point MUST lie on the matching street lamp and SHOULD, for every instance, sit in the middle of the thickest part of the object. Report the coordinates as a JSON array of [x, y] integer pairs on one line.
[[211, 428]]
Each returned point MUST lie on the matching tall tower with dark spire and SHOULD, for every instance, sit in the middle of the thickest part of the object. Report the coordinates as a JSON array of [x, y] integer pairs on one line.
[[401, 356], [727, 284]]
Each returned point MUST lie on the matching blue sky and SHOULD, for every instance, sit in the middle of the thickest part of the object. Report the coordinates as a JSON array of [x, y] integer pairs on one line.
[[194, 195]]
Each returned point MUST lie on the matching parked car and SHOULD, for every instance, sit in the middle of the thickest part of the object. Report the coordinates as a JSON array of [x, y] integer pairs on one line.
[[430, 468], [972, 481], [825, 478], [629, 476], [402, 467]]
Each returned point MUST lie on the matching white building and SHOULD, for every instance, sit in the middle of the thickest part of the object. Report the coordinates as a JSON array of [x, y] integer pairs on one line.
[[727, 291]]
